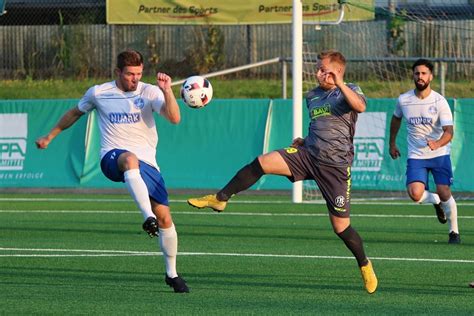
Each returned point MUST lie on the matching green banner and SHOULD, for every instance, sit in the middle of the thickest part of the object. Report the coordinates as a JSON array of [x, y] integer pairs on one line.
[[209, 145], [21, 163], [373, 168], [462, 145], [224, 12]]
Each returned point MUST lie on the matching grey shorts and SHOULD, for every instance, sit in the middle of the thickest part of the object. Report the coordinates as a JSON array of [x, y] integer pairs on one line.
[[333, 181]]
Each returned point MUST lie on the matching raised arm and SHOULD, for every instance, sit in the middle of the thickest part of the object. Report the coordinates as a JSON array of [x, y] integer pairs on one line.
[[66, 121], [355, 101], [170, 110]]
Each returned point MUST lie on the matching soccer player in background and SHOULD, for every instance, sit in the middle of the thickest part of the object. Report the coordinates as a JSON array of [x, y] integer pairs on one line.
[[325, 156], [128, 145], [430, 130]]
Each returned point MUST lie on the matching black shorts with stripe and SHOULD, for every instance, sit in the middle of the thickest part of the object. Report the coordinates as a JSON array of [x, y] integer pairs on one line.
[[334, 182]]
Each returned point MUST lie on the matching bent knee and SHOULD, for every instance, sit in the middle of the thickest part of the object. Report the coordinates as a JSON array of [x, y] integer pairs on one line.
[[128, 161], [415, 194], [165, 221], [415, 197], [339, 224], [163, 215]]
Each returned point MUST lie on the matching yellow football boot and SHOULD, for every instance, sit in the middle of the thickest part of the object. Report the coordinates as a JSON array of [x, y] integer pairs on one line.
[[369, 277], [210, 201]]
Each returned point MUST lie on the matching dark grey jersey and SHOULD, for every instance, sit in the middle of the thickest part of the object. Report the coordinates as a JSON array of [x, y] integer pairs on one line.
[[332, 126]]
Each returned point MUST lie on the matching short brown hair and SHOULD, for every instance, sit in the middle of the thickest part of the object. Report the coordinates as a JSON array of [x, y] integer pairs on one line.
[[129, 57], [333, 55]]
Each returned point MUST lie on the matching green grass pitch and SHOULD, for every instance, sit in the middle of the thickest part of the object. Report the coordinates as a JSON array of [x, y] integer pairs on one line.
[[86, 254]]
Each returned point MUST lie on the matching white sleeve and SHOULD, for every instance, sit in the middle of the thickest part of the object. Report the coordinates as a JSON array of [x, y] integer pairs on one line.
[[157, 98], [398, 109], [445, 115], [86, 104]]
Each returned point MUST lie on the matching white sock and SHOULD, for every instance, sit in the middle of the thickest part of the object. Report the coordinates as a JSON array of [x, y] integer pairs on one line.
[[169, 246], [451, 210], [139, 192], [429, 197]]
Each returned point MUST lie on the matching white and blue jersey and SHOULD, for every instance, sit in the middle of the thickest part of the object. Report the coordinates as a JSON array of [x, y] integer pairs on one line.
[[425, 119], [126, 118]]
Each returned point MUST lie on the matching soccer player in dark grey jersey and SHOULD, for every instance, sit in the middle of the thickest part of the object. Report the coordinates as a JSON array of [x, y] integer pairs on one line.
[[332, 127], [325, 156]]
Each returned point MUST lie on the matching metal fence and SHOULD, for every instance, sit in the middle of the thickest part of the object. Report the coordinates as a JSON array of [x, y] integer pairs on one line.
[[74, 41]]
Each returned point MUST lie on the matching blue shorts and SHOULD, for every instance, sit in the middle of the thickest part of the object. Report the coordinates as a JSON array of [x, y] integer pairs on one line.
[[440, 168], [150, 175]]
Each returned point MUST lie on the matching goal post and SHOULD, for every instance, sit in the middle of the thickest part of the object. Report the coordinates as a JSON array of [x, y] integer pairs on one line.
[[297, 52]]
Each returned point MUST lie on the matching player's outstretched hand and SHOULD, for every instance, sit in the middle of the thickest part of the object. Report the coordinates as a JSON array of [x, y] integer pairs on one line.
[[394, 152], [163, 81], [297, 142], [42, 142]]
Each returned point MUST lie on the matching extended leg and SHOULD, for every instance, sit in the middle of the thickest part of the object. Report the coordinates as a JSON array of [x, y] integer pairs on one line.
[[271, 163]]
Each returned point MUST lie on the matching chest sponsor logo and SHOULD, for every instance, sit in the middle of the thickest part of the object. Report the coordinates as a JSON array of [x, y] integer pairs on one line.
[[320, 111], [124, 118], [420, 120]]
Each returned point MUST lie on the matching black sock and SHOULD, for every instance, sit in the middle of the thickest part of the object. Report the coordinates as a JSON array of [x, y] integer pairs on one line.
[[353, 241], [243, 179]]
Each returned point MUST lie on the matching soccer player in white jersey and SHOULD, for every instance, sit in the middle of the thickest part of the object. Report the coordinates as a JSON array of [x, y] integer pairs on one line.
[[129, 138], [430, 130]]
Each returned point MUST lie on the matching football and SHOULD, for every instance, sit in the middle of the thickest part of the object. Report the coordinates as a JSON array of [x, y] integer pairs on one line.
[[196, 92]]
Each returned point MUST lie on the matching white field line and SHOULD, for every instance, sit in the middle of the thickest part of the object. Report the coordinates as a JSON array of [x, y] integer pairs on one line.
[[210, 213], [356, 201], [114, 253]]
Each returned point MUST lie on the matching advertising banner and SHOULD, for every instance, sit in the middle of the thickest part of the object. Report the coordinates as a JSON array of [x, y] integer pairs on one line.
[[21, 163], [206, 149], [462, 148], [13, 137], [373, 168], [226, 12]]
